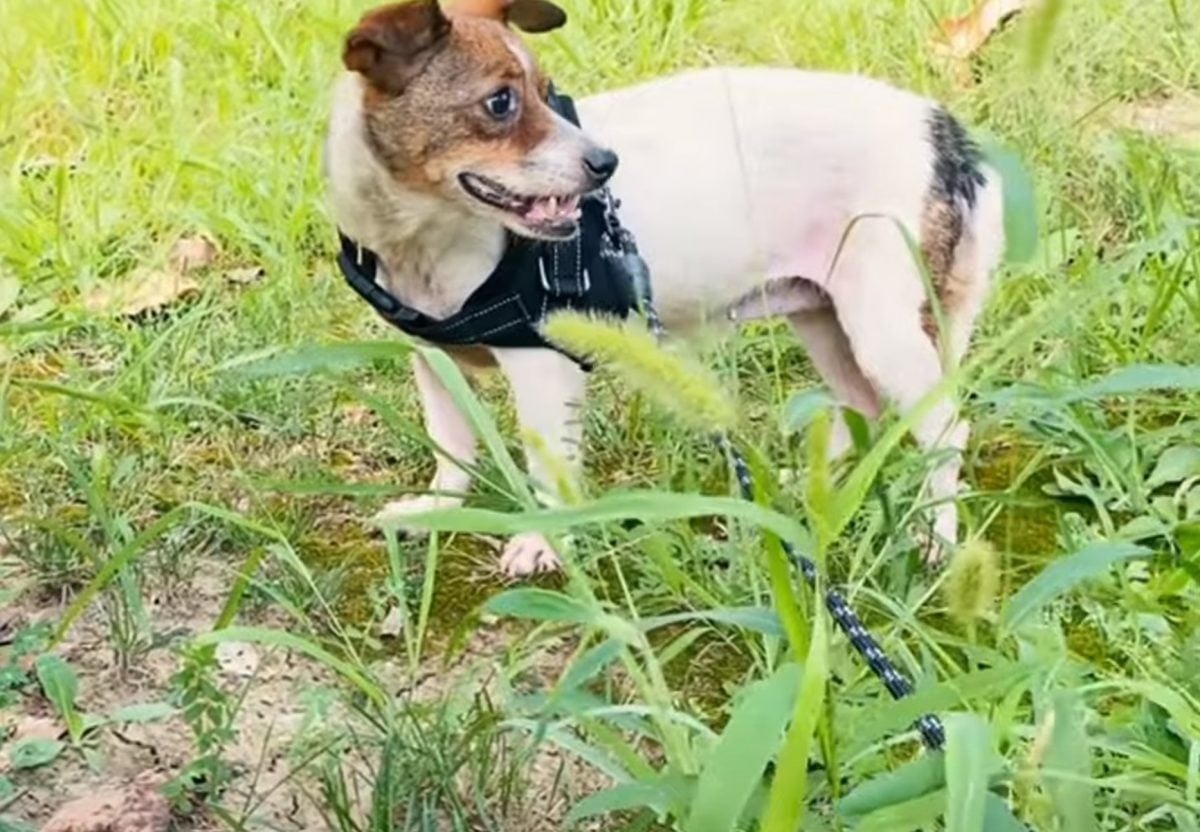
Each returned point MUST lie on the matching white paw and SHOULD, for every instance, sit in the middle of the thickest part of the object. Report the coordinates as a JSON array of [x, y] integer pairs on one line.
[[528, 554], [393, 513]]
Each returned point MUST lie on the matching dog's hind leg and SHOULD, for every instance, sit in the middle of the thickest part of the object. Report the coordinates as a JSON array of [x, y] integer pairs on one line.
[[548, 390], [878, 294], [451, 433], [829, 350]]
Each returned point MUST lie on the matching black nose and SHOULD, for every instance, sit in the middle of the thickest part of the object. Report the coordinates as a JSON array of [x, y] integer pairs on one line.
[[601, 164]]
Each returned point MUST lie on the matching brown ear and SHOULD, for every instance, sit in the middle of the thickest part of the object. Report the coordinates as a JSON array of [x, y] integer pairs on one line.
[[528, 15], [392, 44]]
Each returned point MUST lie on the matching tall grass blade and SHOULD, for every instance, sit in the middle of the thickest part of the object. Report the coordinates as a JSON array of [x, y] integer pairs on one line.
[[1063, 575], [313, 359], [542, 605], [912, 780], [1069, 754], [736, 763], [646, 506], [786, 800], [481, 421], [968, 756], [290, 641]]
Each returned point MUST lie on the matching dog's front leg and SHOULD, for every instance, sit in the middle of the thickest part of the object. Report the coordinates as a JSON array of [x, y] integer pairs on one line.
[[548, 389], [451, 433]]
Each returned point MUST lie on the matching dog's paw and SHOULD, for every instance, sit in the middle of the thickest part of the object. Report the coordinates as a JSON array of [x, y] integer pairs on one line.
[[395, 512], [528, 554]]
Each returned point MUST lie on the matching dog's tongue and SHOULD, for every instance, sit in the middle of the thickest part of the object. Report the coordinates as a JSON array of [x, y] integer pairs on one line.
[[553, 209]]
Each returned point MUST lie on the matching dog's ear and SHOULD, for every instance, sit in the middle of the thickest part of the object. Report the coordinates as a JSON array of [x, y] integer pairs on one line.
[[528, 15], [392, 44]]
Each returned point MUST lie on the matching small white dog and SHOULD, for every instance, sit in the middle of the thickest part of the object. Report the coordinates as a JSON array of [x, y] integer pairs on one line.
[[752, 192]]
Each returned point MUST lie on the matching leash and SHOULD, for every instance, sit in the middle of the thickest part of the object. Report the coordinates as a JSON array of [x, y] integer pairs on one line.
[[621, 244]]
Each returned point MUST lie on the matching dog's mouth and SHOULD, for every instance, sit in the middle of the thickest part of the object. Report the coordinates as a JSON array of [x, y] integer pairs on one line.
[[552, 217]]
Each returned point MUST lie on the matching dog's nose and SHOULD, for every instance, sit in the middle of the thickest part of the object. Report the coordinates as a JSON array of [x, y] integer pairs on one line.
[[601, 163]]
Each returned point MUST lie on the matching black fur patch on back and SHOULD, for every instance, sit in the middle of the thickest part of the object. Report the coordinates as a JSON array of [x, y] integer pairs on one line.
[[956, 160]]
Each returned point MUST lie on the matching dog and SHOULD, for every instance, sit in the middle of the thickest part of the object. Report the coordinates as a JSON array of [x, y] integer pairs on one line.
[[753, 193]]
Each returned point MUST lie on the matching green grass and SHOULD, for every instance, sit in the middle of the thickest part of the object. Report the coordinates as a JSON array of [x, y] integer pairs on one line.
[[135, 452]]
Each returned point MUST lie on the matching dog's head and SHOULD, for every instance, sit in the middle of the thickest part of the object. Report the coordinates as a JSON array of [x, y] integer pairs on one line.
[[454, 105]]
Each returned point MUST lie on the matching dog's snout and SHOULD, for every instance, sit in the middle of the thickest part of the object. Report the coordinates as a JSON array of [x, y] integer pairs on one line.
[[601, 163]]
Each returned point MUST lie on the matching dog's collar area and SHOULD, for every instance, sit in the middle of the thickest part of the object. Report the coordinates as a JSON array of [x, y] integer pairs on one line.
[[588, 273]]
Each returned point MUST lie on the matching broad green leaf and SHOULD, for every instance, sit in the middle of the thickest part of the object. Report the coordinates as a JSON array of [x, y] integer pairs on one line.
[[1020, 202], [1175, 465], [34, 753], [10, 824], [1042, 24], [786, 800], [10, 290], [646, 506], [7, 790], [61, 686], [803, 407], [889, 717], [541, 605], [318, 358], [1064, 574], [657, 795], [1140, 378], [756, 619], [918, 815], [736, 763], [999, 818], [912, 780], [589, 665], [146, 712], [1068, 754], [968, 759]]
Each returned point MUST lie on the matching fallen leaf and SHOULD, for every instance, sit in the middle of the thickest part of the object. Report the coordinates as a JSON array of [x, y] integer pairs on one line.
[[33, 753], [1174, 118], [191, 253], [138, 806], [143, 291], [960, 38], [393, 623], [245, 276], [237, 658]]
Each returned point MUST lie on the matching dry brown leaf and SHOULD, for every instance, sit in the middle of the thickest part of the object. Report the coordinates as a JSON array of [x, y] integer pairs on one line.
[[246, 276], [193, 252], [138, 806], [143, 291], [393, 623], [1175, 118], [960, 38]]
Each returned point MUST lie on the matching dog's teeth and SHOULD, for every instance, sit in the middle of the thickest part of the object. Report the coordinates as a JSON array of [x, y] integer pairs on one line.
[[552, 205]]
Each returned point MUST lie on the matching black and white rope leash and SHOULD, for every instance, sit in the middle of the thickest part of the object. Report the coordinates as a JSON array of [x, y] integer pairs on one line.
[[932, 732]]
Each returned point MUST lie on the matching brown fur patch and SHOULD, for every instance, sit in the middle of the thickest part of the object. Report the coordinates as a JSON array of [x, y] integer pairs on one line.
[[941, 232], [472, 360], [438, 125]]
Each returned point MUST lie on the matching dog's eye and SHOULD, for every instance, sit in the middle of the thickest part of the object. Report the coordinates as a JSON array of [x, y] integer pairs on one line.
[[501, 104]]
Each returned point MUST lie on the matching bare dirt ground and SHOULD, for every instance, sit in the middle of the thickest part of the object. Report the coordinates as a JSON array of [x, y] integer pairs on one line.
[[72, 796]]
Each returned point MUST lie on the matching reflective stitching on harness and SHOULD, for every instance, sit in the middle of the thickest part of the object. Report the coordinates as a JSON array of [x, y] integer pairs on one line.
[[481, 312], [501, 328]]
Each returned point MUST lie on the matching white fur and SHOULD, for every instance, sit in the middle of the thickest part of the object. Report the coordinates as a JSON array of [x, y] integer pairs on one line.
[[728, 178]]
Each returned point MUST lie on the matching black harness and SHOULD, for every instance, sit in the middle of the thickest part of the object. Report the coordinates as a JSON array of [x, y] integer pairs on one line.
[[588, 273]]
